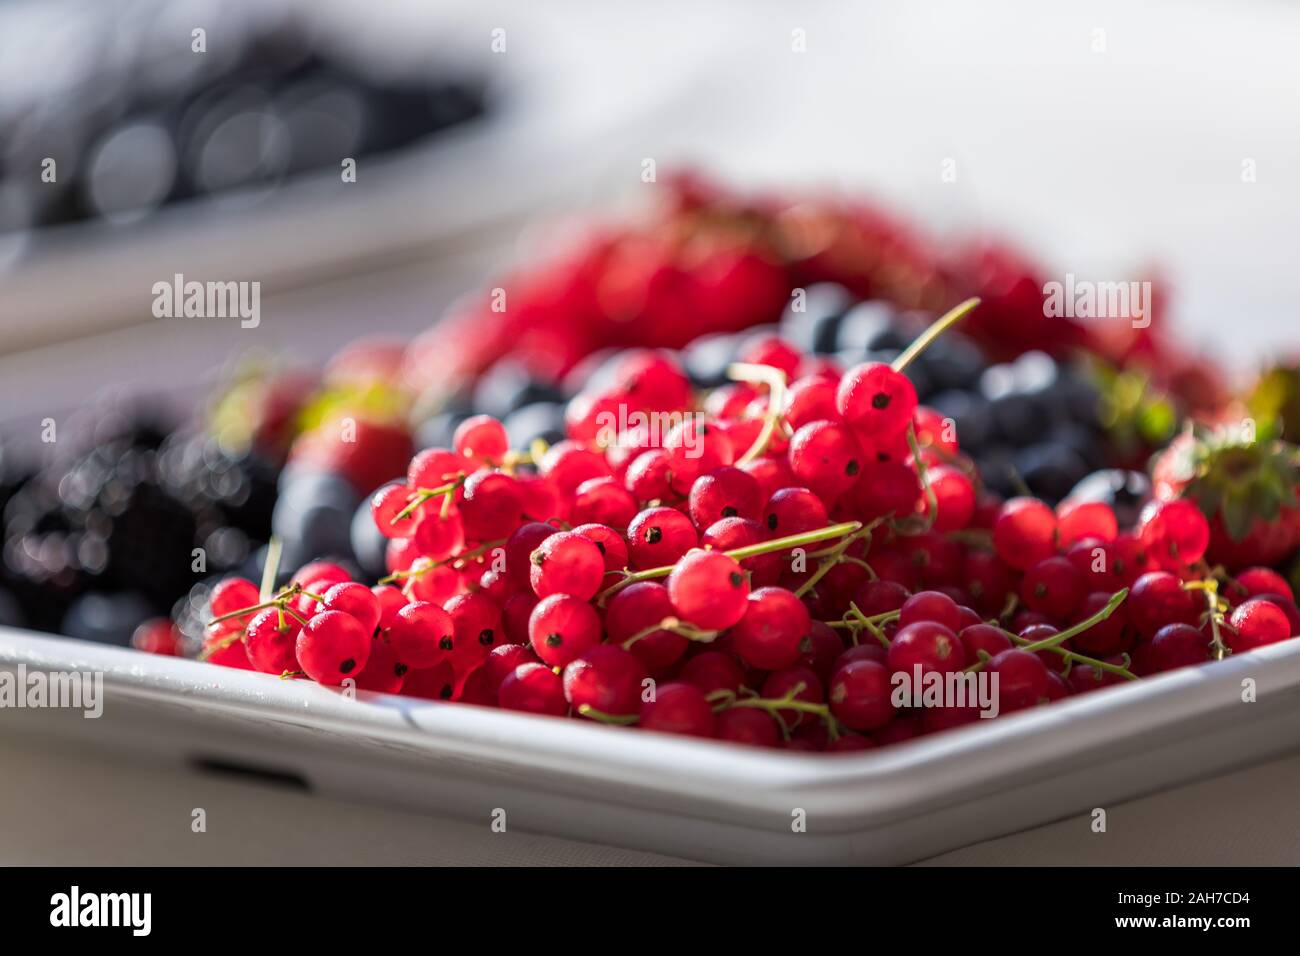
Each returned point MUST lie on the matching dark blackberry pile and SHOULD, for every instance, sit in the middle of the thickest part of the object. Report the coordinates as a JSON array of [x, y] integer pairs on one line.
[[100, 539]]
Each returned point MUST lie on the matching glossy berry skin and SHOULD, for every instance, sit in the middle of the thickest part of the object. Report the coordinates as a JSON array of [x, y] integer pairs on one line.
[[437, 537], [612, 546], [1255, 623], [1175, 533], [234, 594], [809, 400], [1024, 532], [1085, 519], [983, 637], [1157, 599], [749, 726], [634, 609], [926, 606], [859, 695], [603, 501], [724, 493], [567, 563], [422, 635], [819, 650], [521, 544], [1053, 587], [730, 534], [1107, 637], [482, 439], [606, 678], [793, 511], [332, 647], [770, 634], [1177, 645], [657, 537], [491, 506], [1022, 680], [713, 670], [383, 673], [885, 488], [504, 659], [955, 495], [272, 648], [708, 589], [386, 504], [355, 599], [875, 400], [928, 645], [533, 689], [1254, 582], [476, 629], [434, 467], [825, 457], [678, 708], [562, 628]]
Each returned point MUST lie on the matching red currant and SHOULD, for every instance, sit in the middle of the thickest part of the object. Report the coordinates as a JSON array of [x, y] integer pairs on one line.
[[331, 647], [563, 628], [1175, 533], [606, 678], [1024, 532], [709, 590], [876, 400], [658, 537], [533, 689], [678, 708], [860, 695], [770, 633], [567, 563]]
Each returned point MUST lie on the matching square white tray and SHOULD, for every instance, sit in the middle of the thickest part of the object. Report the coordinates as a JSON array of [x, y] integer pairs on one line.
[[687, 798]]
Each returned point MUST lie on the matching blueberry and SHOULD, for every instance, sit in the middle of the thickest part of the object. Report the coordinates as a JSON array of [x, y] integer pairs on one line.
[[1079, 438], [368, 545], [971, 413], [869, 326], [952, 361], [544, 420], [816, 327], [1018, 418], [508, 385], [1050, 470], [313, 517], [106, 618], [706, 359], [1125, 491], [438, 430]]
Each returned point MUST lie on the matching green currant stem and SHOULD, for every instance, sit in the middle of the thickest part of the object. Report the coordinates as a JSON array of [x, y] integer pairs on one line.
[[739, 554], [1210, 587], [922, 473], [774, 379], [220, 645], [677, 626], [586, 710], [936, 329], [832, 556], [422, 495], [1049, 643]]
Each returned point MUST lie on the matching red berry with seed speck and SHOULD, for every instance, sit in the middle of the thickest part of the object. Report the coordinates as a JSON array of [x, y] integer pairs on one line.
[[606, 678], [271, 646], [567, 563], [724, 493], [793, 511], [1022, 680], [825, 456], [563, 628], [355, 599], [708, 589], [333, 647], [876, 400], [422, 635], [1158, 598], [859, 695], [1053, 586], [482, 439], [929, 645], [657, 537]]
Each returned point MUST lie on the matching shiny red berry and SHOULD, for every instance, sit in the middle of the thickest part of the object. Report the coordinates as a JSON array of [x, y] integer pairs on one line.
[[709, 589]]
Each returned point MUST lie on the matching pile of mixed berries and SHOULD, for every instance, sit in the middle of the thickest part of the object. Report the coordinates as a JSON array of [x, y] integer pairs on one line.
[[756, 562]]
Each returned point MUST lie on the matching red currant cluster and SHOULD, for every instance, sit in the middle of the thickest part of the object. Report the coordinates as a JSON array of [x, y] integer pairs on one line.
[[755, 565]]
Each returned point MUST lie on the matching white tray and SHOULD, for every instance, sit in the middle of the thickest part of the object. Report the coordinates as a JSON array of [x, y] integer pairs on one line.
[[687, 798]]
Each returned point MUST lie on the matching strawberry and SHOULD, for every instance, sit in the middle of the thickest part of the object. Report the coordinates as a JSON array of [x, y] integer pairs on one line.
[[1244, 484]]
